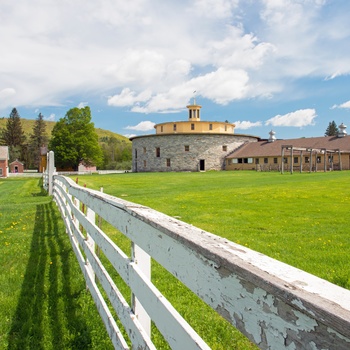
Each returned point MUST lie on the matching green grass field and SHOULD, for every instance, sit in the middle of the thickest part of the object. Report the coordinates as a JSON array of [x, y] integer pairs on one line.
[[301, 219], [43, 299]]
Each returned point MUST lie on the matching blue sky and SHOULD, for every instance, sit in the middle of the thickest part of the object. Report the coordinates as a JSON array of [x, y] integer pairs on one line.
[[261, 64]]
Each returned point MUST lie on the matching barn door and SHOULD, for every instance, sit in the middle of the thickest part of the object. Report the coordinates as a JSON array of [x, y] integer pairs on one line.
[[201, 164]]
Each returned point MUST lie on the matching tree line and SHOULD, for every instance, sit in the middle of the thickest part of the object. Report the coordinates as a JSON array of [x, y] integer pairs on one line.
[[73, 139]]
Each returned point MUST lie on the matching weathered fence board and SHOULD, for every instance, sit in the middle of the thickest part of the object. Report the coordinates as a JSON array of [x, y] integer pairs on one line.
[[275, 305], [76, 237], [173, 327]]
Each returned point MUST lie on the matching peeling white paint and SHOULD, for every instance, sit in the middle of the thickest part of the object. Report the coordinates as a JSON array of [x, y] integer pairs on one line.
[[332, 331], [304, 322], [299, 303]]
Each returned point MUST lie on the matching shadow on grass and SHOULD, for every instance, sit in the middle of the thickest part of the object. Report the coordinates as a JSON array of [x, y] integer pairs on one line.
[[42, 192], [46, 314]]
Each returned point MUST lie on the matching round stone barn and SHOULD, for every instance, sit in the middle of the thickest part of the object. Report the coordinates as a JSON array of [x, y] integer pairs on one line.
[[192, 145]]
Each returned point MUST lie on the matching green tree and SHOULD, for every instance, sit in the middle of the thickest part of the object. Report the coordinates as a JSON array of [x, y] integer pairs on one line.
[[332, 129], [38, 139], [13, 135], [116, 153], [75, 141]]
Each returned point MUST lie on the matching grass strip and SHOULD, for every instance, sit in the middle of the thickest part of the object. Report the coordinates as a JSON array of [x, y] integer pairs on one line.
[[43, 299]]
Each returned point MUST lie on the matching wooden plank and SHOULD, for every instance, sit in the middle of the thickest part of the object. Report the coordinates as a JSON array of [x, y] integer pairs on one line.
[[107, 318], [114, 254], [178, 333], [137, 334], [174, 328], [143, 261]]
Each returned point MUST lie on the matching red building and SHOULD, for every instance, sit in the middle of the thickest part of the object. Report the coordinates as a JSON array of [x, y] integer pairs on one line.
[[4, 158], [16, 167]]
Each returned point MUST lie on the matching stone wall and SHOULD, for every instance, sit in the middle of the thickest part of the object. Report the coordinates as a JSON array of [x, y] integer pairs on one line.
[[207, 150]]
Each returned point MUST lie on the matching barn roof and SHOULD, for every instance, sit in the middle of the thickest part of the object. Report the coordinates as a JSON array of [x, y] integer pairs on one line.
[[265, 148], [4, 152]]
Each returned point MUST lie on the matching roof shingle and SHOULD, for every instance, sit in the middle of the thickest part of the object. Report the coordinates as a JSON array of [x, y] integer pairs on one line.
[[265, 148]]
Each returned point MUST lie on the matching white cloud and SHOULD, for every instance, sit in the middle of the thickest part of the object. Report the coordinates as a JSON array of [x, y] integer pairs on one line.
[[142, 126], [223, 85], [82, 104], [51, 117], [129, 54], [299, 118], [244, 124], [345, 105], [129, 135], [7, 93], [141, 66], [308, 36], [214, 8], [128, 98], [238, 49]]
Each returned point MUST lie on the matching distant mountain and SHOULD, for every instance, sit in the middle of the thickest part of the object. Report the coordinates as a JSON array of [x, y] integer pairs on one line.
[[27, 126]]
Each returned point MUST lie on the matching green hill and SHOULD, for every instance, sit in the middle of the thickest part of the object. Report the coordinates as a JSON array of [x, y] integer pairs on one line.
[[27, 126]]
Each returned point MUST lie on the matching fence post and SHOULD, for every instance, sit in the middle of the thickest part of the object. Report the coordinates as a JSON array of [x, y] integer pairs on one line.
[[143, 262], [51, 169], [90, 214]]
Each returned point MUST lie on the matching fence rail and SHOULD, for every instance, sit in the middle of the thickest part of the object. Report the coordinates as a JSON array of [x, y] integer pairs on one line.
[[275, 305]]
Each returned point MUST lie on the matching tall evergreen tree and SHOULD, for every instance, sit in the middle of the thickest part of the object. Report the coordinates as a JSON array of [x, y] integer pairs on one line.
[[13, 135], [332, 129], [38, 139]]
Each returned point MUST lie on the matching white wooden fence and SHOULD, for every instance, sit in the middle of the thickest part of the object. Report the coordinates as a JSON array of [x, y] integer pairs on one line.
[[275, 305]]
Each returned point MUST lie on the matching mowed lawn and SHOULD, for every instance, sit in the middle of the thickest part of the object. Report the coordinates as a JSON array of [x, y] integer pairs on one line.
[[43, 299], [301, 219]]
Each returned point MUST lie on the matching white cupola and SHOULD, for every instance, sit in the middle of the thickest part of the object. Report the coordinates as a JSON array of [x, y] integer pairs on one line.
[[272, 137], [342, 130]]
